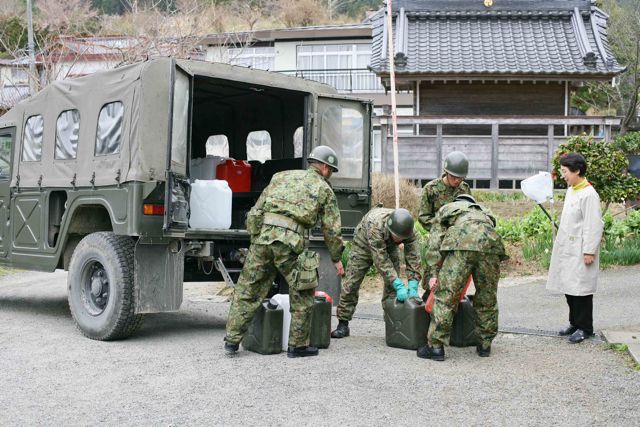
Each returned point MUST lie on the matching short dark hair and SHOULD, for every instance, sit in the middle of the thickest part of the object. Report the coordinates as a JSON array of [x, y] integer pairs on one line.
[[575, 162]]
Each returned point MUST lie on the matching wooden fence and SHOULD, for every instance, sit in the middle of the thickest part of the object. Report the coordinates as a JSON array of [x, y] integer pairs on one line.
[[496, 160]]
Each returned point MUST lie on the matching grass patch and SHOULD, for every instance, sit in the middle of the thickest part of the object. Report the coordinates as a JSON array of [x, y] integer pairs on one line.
[[623, 252], [623, 350], [498, 196]]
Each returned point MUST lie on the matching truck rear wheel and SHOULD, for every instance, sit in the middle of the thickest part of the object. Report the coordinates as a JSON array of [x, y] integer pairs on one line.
[[101, 287]]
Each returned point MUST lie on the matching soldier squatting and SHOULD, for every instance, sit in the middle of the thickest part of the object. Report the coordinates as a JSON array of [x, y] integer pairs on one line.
[[462, 242]]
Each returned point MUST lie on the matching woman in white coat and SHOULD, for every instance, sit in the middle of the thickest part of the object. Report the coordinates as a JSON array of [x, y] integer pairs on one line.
[[575, 260]]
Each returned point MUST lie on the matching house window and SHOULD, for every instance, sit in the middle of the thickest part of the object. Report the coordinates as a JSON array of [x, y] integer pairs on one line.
[[333, 56], [376, 152], [217, 145], [67, 135], [109, 131], [19, 76], [32, 139], [262, 58], [259, 146]]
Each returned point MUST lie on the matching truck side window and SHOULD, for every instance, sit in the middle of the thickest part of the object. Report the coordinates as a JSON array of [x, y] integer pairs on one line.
[[217, 145], [67, 134], [5, 156], [32, 139], [109, 131], [342, 130], [297, 142], [259, 146]]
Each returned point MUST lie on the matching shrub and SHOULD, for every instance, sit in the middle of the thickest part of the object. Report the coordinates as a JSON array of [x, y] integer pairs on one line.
[[383, 191], [606, 169], [629, 143]]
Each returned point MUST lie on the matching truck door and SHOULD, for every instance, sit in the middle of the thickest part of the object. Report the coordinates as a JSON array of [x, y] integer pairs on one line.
[[345, 125], [7, 137], [176, 218]]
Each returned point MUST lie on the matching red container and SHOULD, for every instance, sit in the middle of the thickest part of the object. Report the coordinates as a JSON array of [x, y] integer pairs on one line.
[[237, 173]]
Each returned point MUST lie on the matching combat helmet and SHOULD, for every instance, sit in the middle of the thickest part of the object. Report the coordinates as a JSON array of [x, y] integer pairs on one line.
[[324, 154], [400, 223], [457, 164], [465, 198]]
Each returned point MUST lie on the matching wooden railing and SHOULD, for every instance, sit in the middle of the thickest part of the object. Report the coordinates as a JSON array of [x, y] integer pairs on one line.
[[495, 157]]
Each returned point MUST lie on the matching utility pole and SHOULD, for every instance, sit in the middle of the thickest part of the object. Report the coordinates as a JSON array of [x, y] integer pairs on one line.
[[30, 50], [394, 114]]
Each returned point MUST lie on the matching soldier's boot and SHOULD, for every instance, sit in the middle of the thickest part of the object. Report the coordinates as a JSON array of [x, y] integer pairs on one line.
[[433, 353], [483, 351], [231, 348], [342, 330], [303, 351]]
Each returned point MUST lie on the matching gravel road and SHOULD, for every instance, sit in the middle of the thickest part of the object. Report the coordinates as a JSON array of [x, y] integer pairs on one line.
[[173, 372]]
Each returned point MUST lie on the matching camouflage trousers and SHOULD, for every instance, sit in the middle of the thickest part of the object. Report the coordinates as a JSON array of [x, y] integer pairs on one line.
[[260, 268], [455, 271], [358, 264]]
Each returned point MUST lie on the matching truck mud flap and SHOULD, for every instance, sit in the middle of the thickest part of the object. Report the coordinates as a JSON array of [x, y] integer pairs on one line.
[[159, 275]]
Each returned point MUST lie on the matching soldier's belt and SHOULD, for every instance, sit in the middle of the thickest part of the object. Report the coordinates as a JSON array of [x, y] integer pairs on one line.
[[282, 221]]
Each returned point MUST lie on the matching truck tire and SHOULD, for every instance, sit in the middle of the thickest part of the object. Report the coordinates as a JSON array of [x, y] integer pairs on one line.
[[101, 287]]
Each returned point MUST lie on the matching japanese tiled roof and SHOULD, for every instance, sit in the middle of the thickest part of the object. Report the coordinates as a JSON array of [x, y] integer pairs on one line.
[[514, 38]]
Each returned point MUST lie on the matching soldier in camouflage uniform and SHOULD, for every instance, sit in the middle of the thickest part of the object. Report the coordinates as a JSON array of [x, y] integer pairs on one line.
[[463, 241], [376, 240], [438, 192], [443, 190], [294, 201]]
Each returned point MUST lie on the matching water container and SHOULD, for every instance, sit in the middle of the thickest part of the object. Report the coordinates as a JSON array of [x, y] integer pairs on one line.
[[265, 331], [205, 167], [283, 301], [320, 322], [210, 204], [405, 323], [463, 330], [237, 173]]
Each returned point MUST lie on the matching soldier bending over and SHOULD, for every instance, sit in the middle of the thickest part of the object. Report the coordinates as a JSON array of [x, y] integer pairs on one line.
[[376, 243], [463, 241]]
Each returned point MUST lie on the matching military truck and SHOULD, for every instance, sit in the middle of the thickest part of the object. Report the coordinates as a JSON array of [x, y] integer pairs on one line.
[[96, 175]]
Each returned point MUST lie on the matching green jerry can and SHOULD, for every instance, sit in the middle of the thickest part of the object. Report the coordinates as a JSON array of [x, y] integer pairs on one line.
[[463, 330], [320, 322], [265, 331], [405, 323]]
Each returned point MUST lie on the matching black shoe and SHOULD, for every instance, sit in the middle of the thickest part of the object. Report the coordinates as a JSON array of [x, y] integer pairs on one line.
[[231, 348], [483, 351], [567, 331], [302, 351], [578, 336], [428, 352], [341, 331]]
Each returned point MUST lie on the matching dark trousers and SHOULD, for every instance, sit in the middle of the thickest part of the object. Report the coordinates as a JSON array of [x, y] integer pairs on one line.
[[581, 312]]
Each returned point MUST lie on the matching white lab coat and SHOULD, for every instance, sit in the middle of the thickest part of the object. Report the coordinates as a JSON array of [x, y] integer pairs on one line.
[[579, 233]]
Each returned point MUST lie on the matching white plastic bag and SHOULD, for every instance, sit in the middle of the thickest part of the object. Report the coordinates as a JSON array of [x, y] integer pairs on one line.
[[538, 188]]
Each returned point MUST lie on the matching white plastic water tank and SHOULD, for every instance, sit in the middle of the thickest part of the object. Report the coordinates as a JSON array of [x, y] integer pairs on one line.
[[210, 204], [283, 301]]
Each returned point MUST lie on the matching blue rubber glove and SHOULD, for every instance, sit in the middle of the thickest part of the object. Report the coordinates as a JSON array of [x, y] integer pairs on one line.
[[413, 288], [401, 291]]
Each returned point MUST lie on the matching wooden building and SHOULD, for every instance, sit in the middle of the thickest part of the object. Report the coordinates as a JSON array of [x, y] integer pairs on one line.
[[492, 78]]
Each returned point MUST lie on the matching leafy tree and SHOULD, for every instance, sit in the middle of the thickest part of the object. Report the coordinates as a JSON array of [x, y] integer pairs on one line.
[[606, 169], [624, 38]]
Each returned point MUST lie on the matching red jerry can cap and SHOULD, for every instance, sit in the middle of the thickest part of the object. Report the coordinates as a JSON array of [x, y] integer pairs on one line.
[[325, 295]]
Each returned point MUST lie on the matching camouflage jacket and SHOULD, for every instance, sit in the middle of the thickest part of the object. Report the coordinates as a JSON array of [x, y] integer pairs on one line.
[[462, 226], [306, 197], [372, 235], [435, 195]]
